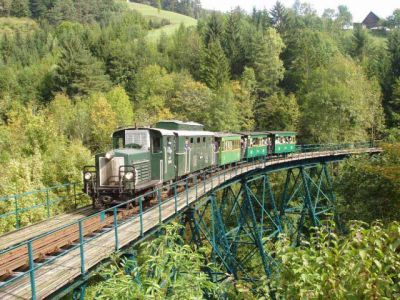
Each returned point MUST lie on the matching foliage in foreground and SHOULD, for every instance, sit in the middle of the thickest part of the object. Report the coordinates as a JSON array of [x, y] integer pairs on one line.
[[364, 264], [166, 269]]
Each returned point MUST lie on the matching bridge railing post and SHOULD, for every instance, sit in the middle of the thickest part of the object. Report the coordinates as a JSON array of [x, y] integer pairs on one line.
[[47, 204], [32, 270], [175, 199], [82, 248], [17, 220], [187, 192], [196, 187], [159, 206], [75, 200], [141, 215], [204, 181], [115, 213]]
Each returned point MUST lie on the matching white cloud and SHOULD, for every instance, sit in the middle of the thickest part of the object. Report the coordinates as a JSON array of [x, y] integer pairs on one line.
[[359, 8]]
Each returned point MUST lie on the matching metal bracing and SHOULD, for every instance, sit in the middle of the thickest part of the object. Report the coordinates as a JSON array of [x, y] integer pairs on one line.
[[238, 220]]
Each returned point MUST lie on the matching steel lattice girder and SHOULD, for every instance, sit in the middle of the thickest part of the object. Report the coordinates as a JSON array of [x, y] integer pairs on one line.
[[239, 219]]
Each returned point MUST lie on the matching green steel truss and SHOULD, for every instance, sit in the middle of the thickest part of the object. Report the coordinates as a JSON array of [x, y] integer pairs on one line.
[[239, 219]]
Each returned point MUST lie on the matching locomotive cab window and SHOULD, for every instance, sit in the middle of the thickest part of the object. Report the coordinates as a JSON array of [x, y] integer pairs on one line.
[[156, 144]]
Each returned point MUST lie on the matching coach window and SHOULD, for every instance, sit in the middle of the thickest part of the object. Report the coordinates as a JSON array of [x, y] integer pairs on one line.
[[156, 144], [204, 139], [198, 140]]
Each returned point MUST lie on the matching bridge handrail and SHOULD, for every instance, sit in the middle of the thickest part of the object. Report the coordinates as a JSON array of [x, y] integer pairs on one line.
[[139, 200], [42, 198]]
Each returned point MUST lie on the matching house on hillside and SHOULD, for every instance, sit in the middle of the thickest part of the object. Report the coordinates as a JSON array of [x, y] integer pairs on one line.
[[371, 21]]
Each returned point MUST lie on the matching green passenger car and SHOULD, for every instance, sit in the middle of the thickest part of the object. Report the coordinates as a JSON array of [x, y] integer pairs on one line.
[[193, 147], [254, 144], [227, 148], [283, 141]]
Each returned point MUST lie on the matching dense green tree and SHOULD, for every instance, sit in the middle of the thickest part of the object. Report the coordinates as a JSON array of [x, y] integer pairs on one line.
[[277, 112], [20, 8], [394, 105], [233, 42], [309, 50], [185, 51], [370, 189], [360, 42], [121, 105], [103, 121], [214, 28], [214, 67], [63, 10], [340, 104], [267, 64], [224, 113], [38, 8], [192, 102], [153, 86], [78, 72]]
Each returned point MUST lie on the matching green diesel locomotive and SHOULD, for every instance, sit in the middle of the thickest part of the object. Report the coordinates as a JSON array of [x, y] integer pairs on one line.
[[146, 158]]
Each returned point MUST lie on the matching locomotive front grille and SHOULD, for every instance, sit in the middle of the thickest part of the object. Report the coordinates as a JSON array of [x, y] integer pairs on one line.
[[143, 170], [109, 170]]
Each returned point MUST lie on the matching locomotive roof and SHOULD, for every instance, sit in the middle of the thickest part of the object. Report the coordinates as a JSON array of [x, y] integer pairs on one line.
[[167, 132]]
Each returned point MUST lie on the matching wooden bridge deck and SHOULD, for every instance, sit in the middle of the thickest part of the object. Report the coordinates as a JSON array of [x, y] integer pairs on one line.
[[66, 267], [18, 236]]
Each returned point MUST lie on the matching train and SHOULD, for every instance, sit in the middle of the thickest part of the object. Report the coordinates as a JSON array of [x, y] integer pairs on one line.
[[146, 158]]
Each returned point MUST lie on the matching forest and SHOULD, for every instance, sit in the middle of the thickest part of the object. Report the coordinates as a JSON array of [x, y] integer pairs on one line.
[[72, 71]]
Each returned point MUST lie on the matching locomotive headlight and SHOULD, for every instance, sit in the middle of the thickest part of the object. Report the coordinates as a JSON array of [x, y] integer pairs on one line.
[[129, 175], [88, 176], [109, 155]]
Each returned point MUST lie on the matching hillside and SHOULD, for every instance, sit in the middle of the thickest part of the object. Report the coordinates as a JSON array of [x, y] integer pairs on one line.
[[174, 19]]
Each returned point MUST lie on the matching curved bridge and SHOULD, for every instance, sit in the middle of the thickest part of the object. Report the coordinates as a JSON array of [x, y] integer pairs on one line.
[[207, 201]]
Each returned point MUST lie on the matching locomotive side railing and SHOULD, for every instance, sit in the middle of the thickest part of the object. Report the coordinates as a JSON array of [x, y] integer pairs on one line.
[[192, 184], [20, 210]]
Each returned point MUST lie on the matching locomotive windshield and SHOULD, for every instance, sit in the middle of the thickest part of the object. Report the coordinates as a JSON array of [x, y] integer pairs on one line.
[[137, 139], [132, 139]]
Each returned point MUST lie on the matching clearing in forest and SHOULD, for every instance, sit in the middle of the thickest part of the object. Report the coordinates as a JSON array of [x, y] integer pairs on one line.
[[175, 19]]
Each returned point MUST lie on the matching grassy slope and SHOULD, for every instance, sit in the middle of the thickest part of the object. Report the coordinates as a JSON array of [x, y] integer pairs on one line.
[[175, 19]]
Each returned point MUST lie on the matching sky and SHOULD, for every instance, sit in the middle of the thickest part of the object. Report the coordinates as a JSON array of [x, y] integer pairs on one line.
[[359, 8]]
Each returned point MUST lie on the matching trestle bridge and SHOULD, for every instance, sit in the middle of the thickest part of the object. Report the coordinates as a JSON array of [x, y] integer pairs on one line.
[[236, 210]]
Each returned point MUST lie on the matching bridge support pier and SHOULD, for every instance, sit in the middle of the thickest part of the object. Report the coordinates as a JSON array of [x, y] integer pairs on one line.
[[241, 220]]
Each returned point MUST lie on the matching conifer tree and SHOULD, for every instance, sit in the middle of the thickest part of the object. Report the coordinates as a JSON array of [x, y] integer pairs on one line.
[[268, 66], [214, 29], [20, 8], [214, 67], [38, 8], [233, 44], [78, 72]]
